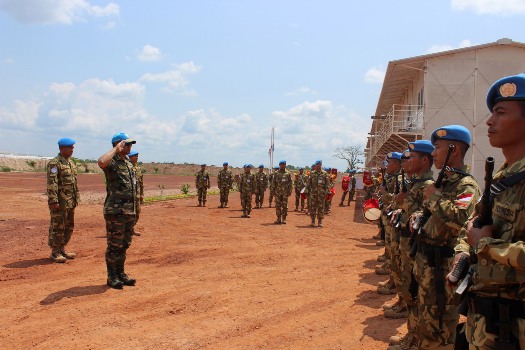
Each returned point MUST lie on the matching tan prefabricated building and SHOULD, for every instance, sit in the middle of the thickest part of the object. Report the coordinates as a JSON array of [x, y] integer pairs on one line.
[[423, 93]]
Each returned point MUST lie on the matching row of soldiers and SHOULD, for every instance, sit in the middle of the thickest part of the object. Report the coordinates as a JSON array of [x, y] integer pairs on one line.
[[313, 189], [446, 248]]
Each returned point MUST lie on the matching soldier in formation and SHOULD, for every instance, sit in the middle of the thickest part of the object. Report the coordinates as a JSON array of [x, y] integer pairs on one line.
[[261, 184], [202, 183], [270, 180], [246, 188], [139, 199], [282, 187], [495, 236], [225, 183], [62, 198], [318, 187], [119, 207], [299, 185]]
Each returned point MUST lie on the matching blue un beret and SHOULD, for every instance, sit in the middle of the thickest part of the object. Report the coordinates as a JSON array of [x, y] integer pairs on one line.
[[422, 146], [225, 163], [351, 171], [506, 89], [317, 162], [261, 166], [133, 153], [405, 154], [121, 136], [452, 133], [66, 142], [282, 162], [394, 155]]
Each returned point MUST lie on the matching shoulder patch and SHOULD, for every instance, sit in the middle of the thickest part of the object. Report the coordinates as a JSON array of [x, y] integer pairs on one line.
[[53, 170]]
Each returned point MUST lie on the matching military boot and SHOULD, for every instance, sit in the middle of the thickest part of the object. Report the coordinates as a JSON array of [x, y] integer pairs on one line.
[[390, 305], [220, 206], [126, 280], [380, 243], [243, 214], [382, 270], [113, 280], [203, 203], [320, 223], [398, 340], [378, 236], [313, 223], [226, 204], [296, 208], [200, 204], [67, 255], [398, 311], [388, 282], [387, 290], [283, 220], [341, 204], [56, 256], [248, 214], [278, 221], [381, 258]]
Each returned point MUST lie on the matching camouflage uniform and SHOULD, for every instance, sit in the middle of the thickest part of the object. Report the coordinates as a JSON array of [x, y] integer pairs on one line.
[[202, 183], [270, 179], [62, 189], [119, 211], [451, 206], [246, 187], [386, 200], [282, 187], [413, 203], [499, 274], [139, 199], [261, 184], [225, 181], [300, 183], [318, 187]]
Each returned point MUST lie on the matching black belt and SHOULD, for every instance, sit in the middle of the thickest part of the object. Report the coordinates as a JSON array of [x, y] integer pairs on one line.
[[488, 306], [405, 232], [428, 251]]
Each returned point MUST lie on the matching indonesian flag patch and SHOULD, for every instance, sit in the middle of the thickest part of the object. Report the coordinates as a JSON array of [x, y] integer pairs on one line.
[[464, 199]]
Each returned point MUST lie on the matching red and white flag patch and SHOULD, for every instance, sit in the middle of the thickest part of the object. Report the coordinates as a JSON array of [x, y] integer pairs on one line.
[[464, 199]]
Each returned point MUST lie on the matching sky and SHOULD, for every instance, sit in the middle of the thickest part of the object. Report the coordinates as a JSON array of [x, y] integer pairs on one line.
[[205, 81]]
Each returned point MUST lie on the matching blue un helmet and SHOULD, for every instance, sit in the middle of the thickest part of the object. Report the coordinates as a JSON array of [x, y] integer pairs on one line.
[[509, 88], [451, 133]]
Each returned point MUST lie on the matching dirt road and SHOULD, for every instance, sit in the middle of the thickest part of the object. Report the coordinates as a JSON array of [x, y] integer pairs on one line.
[[207, 278]]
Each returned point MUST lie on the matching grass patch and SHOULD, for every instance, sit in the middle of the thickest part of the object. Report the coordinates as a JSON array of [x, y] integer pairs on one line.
[[5, 169], [167, 198]]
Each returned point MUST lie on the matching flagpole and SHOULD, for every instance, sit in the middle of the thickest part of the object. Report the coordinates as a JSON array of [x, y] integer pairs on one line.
[[272, 147]]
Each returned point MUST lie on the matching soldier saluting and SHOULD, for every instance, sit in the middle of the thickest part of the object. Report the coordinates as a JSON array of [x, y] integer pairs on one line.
[[496, 312]]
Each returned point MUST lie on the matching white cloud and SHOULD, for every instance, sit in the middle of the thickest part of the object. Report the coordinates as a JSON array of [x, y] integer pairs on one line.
[[508, 7], [375, 76], [22, 116], [446, 47], [149, 54], [303, 90], [56, 11], [313, 130], [176, 79]]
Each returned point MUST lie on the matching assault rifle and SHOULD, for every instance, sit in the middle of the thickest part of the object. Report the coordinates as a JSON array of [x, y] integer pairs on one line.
[[426, 212]]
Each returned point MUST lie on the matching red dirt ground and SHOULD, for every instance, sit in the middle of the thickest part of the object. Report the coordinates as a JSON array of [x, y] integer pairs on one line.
[[207, 278]]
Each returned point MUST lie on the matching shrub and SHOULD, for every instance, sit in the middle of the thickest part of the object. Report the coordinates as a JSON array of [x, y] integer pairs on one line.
[[5, 169], [185, 188], [31, 163]]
